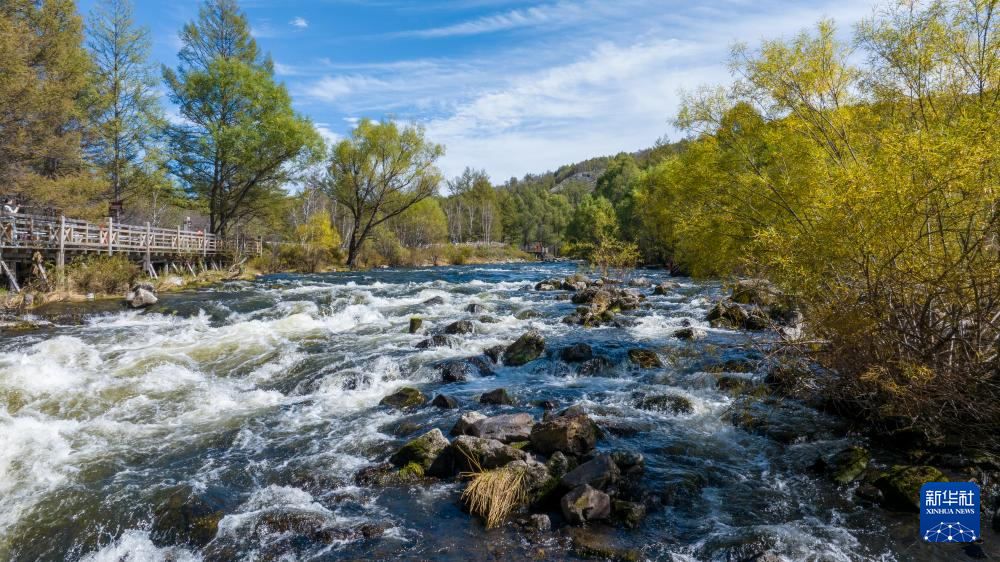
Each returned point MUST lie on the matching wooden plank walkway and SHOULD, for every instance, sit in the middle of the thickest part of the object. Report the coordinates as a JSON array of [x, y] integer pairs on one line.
[[25, 236]]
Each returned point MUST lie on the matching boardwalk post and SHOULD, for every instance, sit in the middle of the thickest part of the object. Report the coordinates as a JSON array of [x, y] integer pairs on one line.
[[111, 225], [149, 242], [61, 256], [178, 238]]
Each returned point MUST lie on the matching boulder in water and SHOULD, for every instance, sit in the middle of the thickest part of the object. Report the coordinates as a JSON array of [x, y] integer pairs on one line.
[[639, 282], [460, 327], [497, 397], [595, 367], [422, 450], [629, 514], [468, 454], [445, 402], [465, 422], [184, 518], [539, 522], [665, 287], [456, 371], [590, 544], [141, 296], [576, 353], [599, 473], [644, 358], [474, 308], [900, 486], [494, 353], [527, 348], [434, 301], [438, 340], [506, 428], [690, 334], [573, 435], [583, 504], [406, 397], [848, 465], [668, 403], [527, 314], [415, 324]]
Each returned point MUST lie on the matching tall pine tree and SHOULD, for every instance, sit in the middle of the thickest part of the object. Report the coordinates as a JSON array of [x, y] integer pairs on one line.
[[43, 83], [125, 110]]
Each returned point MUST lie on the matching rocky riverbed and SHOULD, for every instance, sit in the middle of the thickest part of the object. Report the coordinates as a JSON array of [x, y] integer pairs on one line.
[[341, 416]]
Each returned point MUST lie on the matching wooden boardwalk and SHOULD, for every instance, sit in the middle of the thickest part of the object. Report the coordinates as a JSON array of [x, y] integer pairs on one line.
[[30, 239]]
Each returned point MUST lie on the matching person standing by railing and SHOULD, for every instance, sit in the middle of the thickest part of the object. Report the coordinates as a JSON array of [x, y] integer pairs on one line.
[[10, 209]]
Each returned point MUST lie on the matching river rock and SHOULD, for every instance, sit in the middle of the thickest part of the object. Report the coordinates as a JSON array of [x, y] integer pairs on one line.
[[496, 397], [415, 324], [573, 435], [527, 348], [434, 301], [588, 544], [438, 340], [759, 292], [506, 428], [728, 314], [185, 518], [460, 327], [422, 450], [849, 464], [665, 287], [596, 367], [141, 296], [668, 403], [444, 402], [455, 371], [644, 358], [595, 296], [559, 464], [494, 353], [465, 422], [900, 486], [527, 314], [691, 334], [583, 504], [488, 453], [599, 473], [629, 514], [406, 397], [639, 282], [474, 308], [539, 522], [576, 353]]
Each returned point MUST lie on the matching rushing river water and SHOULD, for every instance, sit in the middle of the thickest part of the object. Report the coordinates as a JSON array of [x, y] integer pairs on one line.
[[262, 398]]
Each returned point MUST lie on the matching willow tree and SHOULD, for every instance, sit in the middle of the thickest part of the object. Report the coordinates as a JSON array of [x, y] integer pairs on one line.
[[240, 136], [378, 173]]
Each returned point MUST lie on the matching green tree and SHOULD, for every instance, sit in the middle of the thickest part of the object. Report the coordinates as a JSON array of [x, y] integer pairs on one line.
[[43, 82], [318, 242], [125, 112], [378, 173], [241, 140], [422, 224], [593, 221]]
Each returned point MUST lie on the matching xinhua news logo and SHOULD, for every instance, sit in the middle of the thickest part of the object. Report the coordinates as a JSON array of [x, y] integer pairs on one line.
[[949, 512]]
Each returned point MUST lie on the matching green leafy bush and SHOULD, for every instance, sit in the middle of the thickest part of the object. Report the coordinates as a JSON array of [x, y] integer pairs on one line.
[[102, 274]]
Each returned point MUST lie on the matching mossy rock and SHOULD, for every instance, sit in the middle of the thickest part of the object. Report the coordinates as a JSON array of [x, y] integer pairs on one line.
[[412, 471], [406, 397], [527, 348], [415, 324], [669, 403], [528, 314], [645, 358], [848, 465], [422, 450], [629, 514], [901, 485]]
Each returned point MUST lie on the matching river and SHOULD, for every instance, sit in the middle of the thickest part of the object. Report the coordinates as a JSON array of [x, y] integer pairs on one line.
[[261, 398]]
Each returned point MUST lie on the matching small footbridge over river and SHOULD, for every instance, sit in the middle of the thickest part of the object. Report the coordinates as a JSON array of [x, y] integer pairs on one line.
[[31, 246]]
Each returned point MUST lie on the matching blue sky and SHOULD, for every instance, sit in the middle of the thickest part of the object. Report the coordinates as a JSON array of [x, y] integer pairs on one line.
[[510, 86]]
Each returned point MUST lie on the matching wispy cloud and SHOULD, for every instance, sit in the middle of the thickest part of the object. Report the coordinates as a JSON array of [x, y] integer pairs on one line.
[[560, 12], [299, 22]]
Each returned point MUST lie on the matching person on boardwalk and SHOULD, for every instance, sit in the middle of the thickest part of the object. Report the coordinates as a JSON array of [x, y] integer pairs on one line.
[[10, 209]]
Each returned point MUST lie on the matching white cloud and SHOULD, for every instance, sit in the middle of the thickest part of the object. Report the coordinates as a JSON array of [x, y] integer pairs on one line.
[[299, 22], [558, 13], [333, 88], [330, 136]]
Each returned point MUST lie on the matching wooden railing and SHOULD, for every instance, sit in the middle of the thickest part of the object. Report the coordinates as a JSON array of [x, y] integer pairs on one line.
[[59, 233]]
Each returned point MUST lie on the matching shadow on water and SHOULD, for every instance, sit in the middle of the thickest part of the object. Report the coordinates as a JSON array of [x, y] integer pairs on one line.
[[228, 423]]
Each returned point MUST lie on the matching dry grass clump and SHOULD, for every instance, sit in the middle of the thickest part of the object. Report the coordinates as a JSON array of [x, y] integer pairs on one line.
[[494, 494]]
